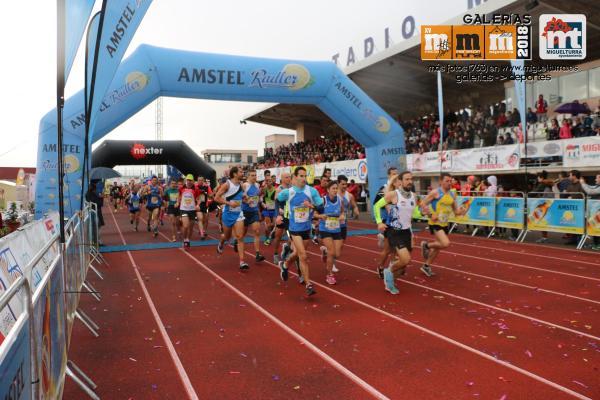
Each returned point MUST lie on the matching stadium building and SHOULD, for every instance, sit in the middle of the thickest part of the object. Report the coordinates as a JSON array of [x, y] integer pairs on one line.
[[405, 86]]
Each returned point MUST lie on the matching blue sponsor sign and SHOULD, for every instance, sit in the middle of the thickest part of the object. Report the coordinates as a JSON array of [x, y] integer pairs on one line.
[[481, 211], [510, 212], [15, 364], [556, 215]]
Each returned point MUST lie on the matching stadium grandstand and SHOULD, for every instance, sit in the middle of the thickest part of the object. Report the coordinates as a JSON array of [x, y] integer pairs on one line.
[[477, 115]]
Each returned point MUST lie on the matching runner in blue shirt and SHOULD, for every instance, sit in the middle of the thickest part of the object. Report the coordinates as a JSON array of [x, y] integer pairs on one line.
[[330, 229], [250, 207], [133, 202], [231, 195], [301, 201], [154, 195]]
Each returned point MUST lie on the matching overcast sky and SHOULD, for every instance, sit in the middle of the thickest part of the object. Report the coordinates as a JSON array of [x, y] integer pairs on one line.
[[307, 29]]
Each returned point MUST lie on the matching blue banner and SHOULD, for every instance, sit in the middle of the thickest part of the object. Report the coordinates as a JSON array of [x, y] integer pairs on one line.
[[119, 23], [556, 215], [152, 71], [510, 212], [480, 211], [76, 18], [15, 364]]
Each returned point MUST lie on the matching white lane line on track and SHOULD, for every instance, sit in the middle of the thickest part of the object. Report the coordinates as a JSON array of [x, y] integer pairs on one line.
[[505, 250], [500, 262], [324, 356], [185, 380], [446, 339], [331, 361], [507, 282], [489, 306], [441, 337], [553, 292]]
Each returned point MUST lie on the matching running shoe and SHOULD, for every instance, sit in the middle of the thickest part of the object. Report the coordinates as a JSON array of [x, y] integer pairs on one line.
[[268, 242], [244, 266], [330, 279], [259, 257], [426, 269], [388, 281], [542, 240], [425, 250], [380, 271], [596, 247], [285, 251], [323, 253], [235, 245], [310, 290], [380, 240], [135, 227], [205, 236], [275, 258], [220, 248], [315, 240], [334, 268], [131, 221], [155, 231], [283, 273]]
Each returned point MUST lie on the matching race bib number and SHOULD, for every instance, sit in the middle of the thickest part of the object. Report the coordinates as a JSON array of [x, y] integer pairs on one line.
[[135, 204], [443, 218], [188, 201], [235, 209], [301, 214], [253, 202], [173, 197], [332, 223], [154, 200], [270, 205], [202, 198]]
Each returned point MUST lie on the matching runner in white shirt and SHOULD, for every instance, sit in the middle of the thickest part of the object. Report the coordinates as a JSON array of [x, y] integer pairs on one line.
[[402, 203]]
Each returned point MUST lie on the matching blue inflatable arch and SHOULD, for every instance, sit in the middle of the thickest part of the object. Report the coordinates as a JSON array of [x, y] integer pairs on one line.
[[151, 72]]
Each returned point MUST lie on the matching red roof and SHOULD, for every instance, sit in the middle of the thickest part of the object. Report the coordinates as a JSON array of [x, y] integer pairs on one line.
[[10, 173]]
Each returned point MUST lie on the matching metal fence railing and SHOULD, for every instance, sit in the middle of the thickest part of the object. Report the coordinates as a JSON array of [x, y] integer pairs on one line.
[[571, 213], [42, 304]]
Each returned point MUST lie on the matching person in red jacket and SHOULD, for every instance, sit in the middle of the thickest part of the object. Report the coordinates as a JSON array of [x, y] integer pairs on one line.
[[353, 189], [541, 108], [565, 129]]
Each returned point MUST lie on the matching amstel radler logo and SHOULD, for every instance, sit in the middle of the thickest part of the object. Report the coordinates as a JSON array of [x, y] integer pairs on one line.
[[475, 42]]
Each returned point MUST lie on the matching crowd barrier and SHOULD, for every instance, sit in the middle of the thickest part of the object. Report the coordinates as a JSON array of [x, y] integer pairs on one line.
[[38, 311], [576, 214]]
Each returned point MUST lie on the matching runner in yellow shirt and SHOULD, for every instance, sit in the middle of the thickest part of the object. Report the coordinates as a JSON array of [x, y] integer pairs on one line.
[[439, 204]]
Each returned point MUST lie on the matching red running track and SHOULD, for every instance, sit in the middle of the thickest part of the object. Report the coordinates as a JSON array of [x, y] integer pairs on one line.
[[482, 328]]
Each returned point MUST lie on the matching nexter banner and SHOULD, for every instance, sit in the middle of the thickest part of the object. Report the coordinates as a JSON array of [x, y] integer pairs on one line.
[[593, 217], [556, 215], [481, 211], [510, 212]]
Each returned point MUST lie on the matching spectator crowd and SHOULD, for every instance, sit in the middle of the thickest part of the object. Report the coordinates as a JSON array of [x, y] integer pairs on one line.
[[479, 127]]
